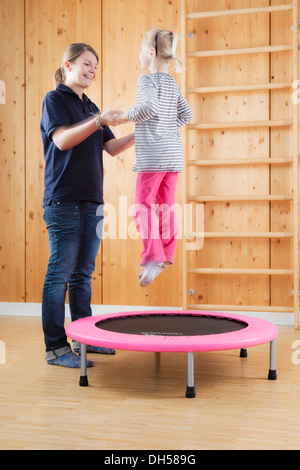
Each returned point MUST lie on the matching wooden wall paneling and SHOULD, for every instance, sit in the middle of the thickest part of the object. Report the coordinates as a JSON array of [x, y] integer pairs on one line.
[[50, 28], [12, 153], [2, 92], [125, 25]]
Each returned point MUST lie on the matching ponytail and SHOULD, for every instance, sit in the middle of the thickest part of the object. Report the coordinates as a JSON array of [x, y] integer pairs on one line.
[[179, 64], [59, 76]]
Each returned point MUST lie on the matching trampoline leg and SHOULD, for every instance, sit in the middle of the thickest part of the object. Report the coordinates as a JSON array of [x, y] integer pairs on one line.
[[83, 381], [157, 360], [190, 389], [272, 371], [243, 352]]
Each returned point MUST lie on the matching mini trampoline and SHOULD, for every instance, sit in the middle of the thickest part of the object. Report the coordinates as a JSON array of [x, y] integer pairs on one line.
[[173, 331]]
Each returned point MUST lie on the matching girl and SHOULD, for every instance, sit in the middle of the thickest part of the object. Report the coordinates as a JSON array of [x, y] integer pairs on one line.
[[74, 134], [161, 109]]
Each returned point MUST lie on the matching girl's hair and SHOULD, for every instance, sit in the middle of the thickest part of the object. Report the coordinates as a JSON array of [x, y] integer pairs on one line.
[[72, 52], [165, 45]]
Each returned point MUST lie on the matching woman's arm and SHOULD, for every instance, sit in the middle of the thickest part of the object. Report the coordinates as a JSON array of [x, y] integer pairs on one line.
[[67, 137], [116, 146]]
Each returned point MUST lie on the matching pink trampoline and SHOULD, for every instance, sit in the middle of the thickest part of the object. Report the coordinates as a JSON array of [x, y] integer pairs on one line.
[[173, 331]]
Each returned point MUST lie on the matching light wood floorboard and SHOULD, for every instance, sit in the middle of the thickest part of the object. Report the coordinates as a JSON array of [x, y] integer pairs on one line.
[[135, 402]]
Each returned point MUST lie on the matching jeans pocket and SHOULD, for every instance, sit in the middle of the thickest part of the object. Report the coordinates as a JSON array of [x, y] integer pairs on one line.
[[62, 220]]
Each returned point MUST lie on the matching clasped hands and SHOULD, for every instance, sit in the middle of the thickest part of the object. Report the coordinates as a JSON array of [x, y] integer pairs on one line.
[[114, 118]]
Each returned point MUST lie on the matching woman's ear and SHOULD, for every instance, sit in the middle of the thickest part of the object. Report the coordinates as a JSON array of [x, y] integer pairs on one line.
[[67, 66]]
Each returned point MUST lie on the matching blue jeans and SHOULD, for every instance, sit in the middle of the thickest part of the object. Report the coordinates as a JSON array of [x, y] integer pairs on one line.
[[74, 232]]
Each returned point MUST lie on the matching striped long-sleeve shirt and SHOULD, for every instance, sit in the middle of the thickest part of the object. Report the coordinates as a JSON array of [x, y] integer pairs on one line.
[[159, 112]]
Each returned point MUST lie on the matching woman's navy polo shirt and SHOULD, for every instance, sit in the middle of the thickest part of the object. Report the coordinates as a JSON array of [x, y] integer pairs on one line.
[[75, 174]]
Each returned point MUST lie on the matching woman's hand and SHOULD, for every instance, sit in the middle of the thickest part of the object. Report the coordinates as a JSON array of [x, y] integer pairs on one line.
[[121, 118], [113, 118]]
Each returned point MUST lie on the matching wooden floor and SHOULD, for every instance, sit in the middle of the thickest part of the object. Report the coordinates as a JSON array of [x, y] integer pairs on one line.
[[134, 402]]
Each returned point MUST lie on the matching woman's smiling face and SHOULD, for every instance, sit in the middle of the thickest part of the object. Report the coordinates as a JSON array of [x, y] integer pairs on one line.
[[82, 72]]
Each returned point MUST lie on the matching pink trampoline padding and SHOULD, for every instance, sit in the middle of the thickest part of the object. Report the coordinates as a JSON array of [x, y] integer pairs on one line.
[[257, 332]]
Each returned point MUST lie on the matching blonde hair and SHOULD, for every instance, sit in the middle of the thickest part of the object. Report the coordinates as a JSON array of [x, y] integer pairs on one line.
[[165, 45], [72, 53]]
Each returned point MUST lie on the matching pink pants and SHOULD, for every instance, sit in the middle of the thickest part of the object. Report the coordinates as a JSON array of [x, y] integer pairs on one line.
[[155, 216]]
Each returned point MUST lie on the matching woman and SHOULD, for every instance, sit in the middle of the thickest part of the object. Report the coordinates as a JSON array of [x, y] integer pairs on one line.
[[74, 134]]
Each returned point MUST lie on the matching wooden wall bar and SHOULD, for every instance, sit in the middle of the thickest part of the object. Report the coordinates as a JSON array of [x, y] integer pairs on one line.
[[230, 33], [250, 83]]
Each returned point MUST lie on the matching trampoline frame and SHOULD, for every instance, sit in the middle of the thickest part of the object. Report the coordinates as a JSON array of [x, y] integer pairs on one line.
[[257, 332]]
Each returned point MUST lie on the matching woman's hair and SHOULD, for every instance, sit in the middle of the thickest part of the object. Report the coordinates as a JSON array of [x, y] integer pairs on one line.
[[165, 45], [72, 52]]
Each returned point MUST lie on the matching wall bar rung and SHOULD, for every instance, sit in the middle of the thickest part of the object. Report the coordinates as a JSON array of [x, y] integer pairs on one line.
[[240, 271], [248, 50], [242, 161], [239, 308], [240, 11], [276, 235], [241, 198], [232, 88]]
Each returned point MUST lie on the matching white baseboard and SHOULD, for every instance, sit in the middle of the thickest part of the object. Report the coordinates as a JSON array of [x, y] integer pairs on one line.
[[27, 309]]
